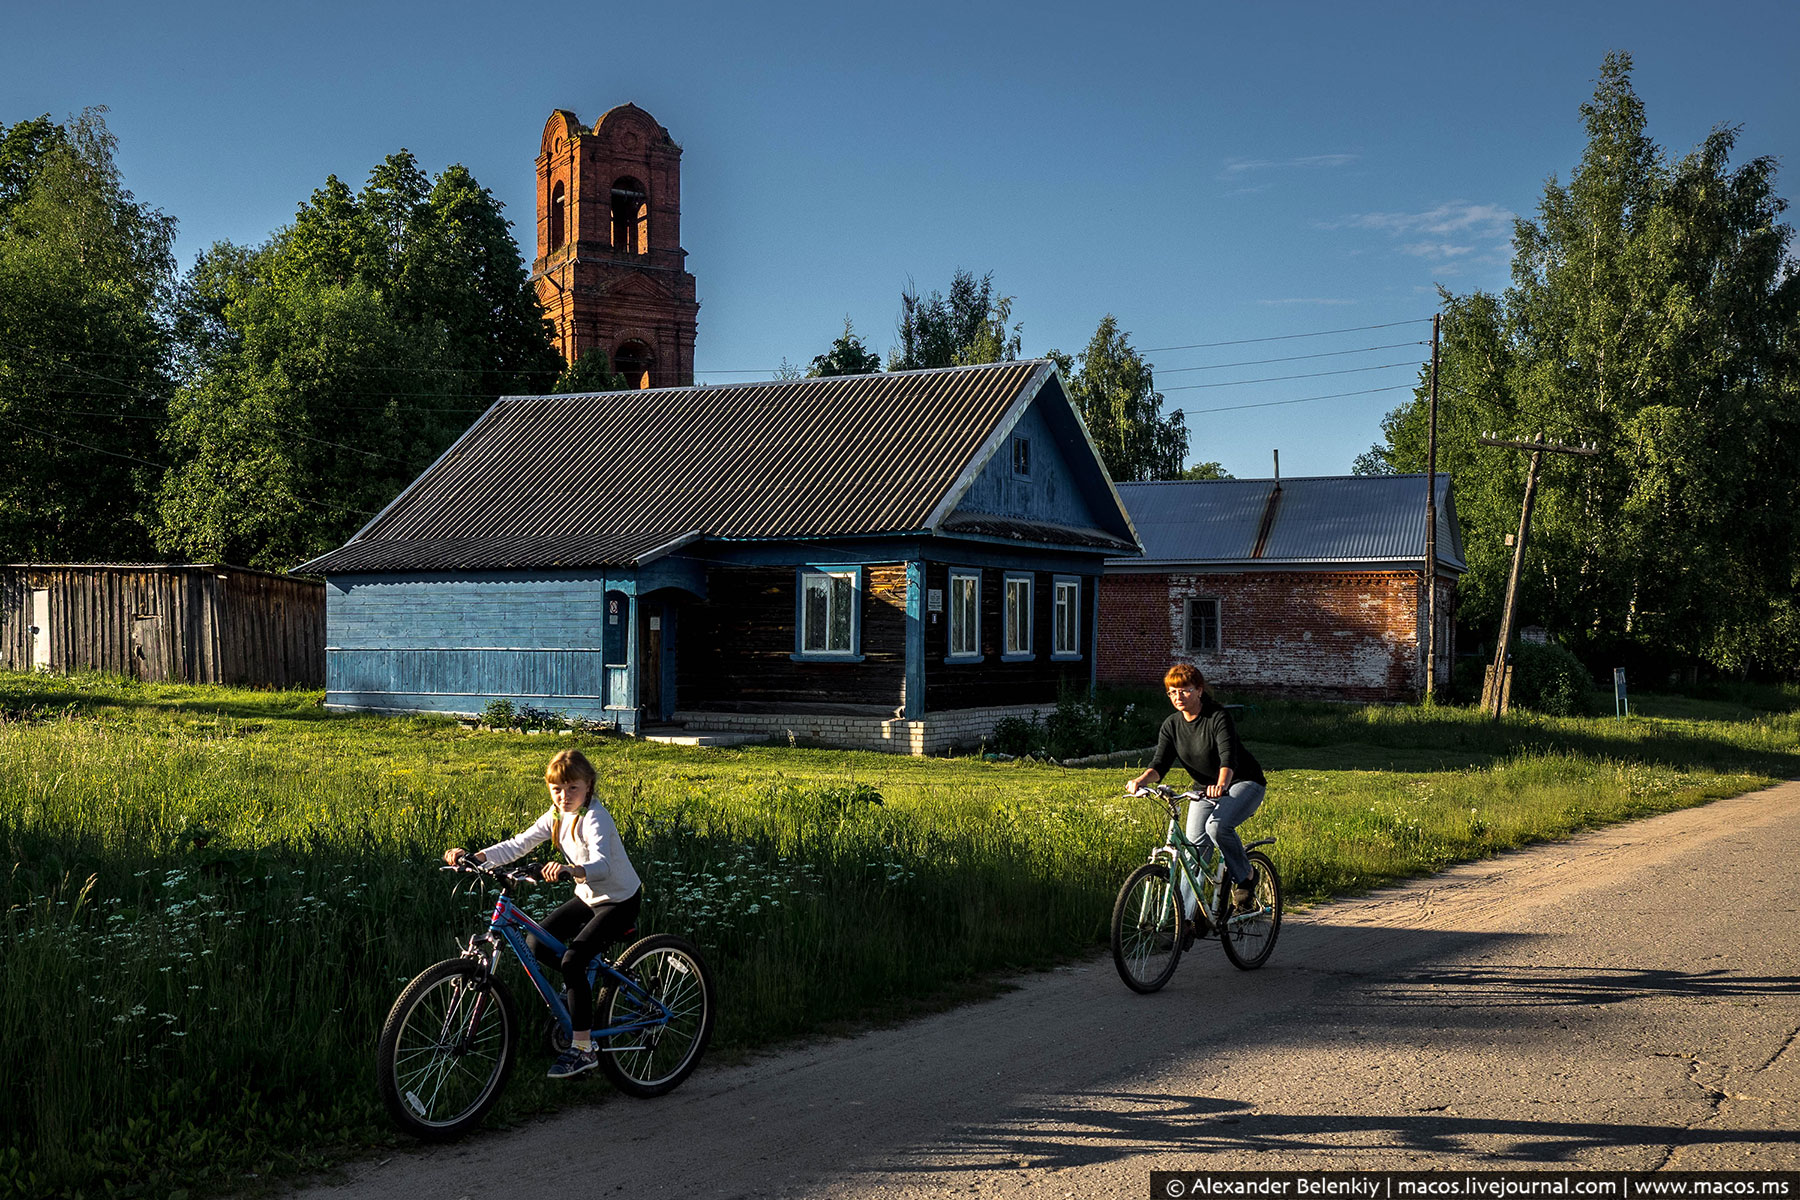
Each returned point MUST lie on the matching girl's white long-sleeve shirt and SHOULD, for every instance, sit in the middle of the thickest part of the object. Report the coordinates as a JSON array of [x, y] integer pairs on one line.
[[589, 840]]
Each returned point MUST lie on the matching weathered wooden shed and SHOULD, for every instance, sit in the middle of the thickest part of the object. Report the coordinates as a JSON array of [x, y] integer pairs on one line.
[[1309, 587], [193, 623], [894, 561]]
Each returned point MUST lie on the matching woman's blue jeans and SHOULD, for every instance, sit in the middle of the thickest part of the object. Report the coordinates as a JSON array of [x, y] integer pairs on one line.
[[1217, 821]]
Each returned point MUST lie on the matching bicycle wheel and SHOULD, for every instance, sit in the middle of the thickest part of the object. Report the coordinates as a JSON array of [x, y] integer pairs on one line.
[[1249, 939], [446, 1049], [1146, 928], [653, 1060]]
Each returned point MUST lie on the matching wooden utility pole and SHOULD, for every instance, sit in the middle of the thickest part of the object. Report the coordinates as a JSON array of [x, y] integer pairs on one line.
[[1431, 525], [1499, 689]]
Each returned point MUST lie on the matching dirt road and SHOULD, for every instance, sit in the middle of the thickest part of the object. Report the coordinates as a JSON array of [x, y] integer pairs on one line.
[[1627, 1000]]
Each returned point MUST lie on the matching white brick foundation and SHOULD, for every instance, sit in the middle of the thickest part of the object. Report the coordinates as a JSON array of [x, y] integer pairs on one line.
[[961, 728]]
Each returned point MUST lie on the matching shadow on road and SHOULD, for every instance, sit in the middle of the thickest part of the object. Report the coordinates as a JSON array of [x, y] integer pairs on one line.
[[1085, 1129]]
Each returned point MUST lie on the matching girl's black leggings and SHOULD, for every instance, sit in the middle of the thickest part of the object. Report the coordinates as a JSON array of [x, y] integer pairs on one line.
[[586, 931]]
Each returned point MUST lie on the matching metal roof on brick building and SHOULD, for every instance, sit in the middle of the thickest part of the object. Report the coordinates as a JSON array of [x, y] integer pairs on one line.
[[1358, 520], [616, 478]]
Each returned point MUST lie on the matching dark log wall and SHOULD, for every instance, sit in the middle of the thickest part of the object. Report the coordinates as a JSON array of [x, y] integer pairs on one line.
[[197, 624], [271, 629], [990, 681], [736, 650]]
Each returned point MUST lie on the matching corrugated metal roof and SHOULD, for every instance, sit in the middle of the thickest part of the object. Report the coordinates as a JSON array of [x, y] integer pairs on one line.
[[597, 479], [1320, 520], [1018, 530]]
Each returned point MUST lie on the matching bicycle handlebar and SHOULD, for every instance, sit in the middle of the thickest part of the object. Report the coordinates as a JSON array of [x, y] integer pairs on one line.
[[466, 864]]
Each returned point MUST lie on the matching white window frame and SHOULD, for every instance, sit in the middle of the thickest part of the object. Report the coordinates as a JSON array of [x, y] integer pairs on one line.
[[1066, 594], [811, 576], [1014, 648], [954, 625], [1218, 625]]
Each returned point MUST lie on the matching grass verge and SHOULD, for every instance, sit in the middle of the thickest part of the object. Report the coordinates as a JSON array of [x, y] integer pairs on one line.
[[212, 896]]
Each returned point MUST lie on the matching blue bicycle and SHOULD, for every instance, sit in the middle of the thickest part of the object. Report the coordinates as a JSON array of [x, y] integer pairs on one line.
[[450, 1039]]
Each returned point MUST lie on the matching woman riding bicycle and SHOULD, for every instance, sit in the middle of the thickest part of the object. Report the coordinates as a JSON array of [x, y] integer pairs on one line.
[[1201, 736]]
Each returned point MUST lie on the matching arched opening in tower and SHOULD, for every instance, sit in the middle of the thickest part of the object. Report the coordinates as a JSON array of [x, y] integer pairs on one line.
[[634, 360], [630, 216], [559, 211]]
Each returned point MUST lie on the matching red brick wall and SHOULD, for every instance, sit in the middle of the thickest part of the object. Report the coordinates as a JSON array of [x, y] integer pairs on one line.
[[1330, 635], [600, 296]]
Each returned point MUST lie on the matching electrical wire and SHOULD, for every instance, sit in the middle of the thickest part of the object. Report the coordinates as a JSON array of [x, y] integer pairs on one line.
[[1283, 337], [1302, 400], [1188, 387], [1261, 362], [57, 437]]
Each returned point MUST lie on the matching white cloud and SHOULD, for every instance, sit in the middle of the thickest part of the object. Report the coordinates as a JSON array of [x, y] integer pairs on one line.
[[1458, 217], [1451, 236], [1240, 166], [1306, 300], [1436, 250]]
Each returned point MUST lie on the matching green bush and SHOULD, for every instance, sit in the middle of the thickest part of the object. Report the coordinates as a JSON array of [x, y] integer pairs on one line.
[[1017, 736], [1550, 679]]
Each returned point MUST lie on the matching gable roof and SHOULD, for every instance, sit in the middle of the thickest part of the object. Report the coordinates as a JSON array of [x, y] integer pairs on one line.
[[1325, 520], [617, 478]]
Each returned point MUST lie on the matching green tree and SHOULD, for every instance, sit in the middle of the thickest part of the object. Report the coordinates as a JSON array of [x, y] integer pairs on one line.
[[965, 327], [322, 371], [1114, 390], [1207, 470], [847, 356], [1653, 311], [591, 372], [85, 272]]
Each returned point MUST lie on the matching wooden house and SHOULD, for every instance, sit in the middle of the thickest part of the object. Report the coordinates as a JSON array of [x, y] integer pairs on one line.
[[1294, 587], [891, 561], [193, 623]]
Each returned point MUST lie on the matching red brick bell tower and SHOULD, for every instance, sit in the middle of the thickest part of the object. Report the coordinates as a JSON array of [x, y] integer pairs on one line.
[[610, 270]]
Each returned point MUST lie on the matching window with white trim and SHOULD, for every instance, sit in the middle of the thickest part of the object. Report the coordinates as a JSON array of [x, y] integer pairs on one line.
[[828, 624], [1202, 626], [1066, 625], [965, 614], [1016, 614]]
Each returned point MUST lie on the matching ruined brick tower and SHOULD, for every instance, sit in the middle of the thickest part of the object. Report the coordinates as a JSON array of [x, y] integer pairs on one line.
[[610, 268]]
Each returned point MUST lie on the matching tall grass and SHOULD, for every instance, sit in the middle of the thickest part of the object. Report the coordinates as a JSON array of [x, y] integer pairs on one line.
[[211, 896]]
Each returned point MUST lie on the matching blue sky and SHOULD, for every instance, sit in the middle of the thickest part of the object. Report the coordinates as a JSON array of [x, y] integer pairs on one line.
[[1205, 172]]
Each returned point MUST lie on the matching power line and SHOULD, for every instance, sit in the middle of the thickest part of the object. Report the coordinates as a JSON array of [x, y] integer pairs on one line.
[[1188, 387], [57, 437], [1284, 337], [1399, 387], [1262, 362]]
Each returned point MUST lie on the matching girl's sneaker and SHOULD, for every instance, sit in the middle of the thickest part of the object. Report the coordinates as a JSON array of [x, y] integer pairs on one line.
[[1243, 897], [572, 1062]]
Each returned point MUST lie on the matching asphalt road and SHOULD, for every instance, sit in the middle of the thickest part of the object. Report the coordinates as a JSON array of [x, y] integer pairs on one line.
[[1628, 1000]]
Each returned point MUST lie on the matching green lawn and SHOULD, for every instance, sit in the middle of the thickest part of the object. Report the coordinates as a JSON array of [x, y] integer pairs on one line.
[[213, 895]]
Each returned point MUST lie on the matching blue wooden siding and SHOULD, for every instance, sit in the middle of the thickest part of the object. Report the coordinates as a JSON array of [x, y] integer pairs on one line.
[[1051, 493], [453, 643]]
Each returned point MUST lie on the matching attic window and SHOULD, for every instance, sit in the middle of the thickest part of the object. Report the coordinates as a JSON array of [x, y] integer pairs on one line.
[[1021, 447], [559, 211], [630, 216]]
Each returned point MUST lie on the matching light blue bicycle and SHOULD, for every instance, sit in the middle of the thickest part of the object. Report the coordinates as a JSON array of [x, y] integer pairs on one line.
[[1150, 929], [449, 1042]]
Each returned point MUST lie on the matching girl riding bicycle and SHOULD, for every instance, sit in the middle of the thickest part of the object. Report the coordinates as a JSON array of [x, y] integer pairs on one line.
[[607, 897], [1201, 735]]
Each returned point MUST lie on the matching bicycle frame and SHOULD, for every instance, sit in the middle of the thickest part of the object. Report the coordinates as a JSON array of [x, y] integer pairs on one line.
[[508, 926], [1199, 869]]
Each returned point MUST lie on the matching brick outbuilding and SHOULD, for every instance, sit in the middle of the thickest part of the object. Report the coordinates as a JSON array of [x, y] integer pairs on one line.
[[1309, 587]]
